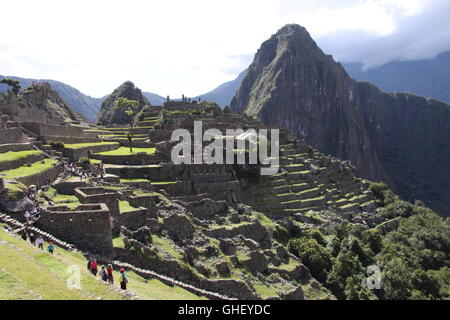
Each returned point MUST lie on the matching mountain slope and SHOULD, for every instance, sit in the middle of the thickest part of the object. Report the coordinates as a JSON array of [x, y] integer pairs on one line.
[[428, 78], [399, 138], [110, 114], [223, 94], [39, 103], [85, 105]]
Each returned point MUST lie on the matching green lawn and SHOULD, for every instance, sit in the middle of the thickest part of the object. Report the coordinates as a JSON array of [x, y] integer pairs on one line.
[[12, 155], [24, 171], [85, 145], [133, 180], [125, 207], [163, 182], [125, 151]]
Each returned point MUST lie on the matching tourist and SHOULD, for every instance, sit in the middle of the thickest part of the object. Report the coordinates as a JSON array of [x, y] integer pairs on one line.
[[32, 239], [89, 264], [40, 242], [103, 274], [94, 267], [109, 270], [24, 235], [51, 247], [123, 279], [27, 216]]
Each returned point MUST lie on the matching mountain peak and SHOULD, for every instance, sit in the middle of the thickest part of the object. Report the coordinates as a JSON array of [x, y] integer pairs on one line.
[[109, 114]]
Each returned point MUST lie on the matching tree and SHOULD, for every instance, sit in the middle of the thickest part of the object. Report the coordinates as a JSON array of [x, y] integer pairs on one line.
[[14, 84], [129, 108]]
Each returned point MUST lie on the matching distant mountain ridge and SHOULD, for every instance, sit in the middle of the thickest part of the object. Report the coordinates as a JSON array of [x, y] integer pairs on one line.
[[223, 94], [428, 78], [84, 104]]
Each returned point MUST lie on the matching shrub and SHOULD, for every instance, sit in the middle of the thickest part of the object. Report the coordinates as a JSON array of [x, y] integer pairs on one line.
[[57, 145], [317, 258], [84, 161]]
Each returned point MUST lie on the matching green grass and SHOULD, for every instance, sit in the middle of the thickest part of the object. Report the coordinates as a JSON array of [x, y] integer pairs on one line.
[[12, 155], [29, 273], [36, 167], [125, 207], [86, 145], [166, 245], [118, 242], [15, 189], [125, 151], [133, 180], [265, 290], [157, 183]]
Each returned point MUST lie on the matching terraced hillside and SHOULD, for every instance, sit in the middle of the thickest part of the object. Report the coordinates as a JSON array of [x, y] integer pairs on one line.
[[220, 228], [310, 181]]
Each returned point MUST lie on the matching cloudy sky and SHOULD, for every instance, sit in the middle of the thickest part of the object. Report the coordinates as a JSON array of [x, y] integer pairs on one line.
[[178, 46]]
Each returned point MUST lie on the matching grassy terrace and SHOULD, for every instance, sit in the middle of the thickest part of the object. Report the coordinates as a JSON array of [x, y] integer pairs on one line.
[[12, 155], [133, 180], [125, 151], [31, 274], [36, 167], [125, 207], [86, 145], [163, 182]]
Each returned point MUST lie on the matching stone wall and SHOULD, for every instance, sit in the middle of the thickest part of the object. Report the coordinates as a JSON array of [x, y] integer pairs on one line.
[[7, 165], [99, 195], [88, 226], [127, 159], [11, 135], [75, 154], [15, 147], [42, 129], [133, 220], [68, 139], [42, 177]]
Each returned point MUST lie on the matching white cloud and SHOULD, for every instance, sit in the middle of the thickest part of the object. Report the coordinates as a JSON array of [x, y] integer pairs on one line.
[[175, 47]]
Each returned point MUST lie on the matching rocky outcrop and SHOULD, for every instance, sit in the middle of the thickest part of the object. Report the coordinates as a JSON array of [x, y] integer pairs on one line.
[[399, 138], [38, 103], [110, 114]]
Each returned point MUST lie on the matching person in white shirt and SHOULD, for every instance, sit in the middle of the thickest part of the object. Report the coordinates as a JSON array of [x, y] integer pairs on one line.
[[40, 242], [27, 216]]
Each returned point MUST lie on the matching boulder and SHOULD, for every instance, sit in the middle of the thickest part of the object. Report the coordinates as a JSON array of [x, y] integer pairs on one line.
[[295, 294]]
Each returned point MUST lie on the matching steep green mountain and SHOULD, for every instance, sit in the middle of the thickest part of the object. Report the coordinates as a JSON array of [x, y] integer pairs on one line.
[[85, 105], [428, 78], [396, 137], [110, 114]]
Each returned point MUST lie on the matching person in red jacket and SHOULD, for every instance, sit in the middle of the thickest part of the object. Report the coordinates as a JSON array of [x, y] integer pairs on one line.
[[94, 267], [109, 271]]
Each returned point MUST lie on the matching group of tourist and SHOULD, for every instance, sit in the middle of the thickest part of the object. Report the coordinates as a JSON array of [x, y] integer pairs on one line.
[[106, 274], [37, 240], [76, 170]]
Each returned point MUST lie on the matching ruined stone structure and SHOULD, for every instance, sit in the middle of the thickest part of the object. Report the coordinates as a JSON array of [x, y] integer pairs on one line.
[[88, 226]]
